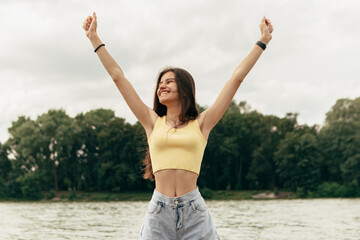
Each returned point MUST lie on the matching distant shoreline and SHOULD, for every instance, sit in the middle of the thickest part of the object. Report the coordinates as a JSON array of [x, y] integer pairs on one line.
[[79, 196]]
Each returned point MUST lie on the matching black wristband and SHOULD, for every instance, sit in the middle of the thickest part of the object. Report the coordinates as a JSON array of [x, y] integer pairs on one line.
[[99, 47], [261, 44]]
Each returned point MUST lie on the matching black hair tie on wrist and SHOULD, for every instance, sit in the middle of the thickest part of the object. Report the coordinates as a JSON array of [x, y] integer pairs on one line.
[[99, 47], [261, 44]]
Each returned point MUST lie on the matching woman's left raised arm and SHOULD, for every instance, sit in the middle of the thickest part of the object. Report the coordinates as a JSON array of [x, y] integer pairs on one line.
[[209, 118]]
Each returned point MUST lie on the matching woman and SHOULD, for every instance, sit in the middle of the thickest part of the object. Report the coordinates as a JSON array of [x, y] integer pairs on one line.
[[177, 135]]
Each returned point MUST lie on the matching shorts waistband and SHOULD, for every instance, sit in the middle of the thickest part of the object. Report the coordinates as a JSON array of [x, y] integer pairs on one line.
[[179, 200]]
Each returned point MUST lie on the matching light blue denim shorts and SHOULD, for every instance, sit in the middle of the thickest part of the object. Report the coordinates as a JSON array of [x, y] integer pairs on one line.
[[178, 218]]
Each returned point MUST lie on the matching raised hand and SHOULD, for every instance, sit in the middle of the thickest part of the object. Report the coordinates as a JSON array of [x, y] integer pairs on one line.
[[89, 25], [266, 29]]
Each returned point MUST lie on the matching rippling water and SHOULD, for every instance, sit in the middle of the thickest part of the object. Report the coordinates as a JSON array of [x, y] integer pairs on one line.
[[266, 219]]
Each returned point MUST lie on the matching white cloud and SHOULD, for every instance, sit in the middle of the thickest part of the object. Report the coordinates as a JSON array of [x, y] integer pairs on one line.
[[47, 62]]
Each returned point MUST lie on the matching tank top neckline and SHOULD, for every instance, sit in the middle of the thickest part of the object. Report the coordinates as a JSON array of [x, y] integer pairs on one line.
[[164, 122]]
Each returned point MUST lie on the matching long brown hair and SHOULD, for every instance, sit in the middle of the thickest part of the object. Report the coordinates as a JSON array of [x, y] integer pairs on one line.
[[189, 111]]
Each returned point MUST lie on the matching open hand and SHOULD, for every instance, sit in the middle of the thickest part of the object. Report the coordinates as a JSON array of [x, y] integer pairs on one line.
[[266, 29], [89, 25]]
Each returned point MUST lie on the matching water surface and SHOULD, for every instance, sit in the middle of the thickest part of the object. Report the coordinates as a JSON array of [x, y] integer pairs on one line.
[[266, 219]]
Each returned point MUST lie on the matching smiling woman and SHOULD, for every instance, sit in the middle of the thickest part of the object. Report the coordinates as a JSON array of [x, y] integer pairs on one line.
[[167, 89], [176, 210]]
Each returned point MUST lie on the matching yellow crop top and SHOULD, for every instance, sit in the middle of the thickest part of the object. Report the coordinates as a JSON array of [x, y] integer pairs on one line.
[[181, 148]]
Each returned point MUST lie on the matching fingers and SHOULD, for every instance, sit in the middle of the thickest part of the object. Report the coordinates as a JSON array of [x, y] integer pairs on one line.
[[88, 21], [86, 25], [268, 24], [271, 28], [265, 20]]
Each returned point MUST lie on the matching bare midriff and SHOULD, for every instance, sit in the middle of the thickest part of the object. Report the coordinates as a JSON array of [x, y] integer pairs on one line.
[[175, 182]]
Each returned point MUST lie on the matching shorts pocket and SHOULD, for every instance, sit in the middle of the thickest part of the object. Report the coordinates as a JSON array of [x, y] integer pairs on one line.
[[200, 204], [154, 207]]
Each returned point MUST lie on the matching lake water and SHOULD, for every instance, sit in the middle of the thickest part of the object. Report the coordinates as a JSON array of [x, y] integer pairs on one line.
[[265, 219]]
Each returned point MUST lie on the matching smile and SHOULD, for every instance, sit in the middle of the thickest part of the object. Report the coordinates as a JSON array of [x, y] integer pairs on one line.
[[164, 92]]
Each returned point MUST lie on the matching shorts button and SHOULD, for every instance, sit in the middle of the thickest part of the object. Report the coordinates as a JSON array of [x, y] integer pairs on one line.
[[176, 202]]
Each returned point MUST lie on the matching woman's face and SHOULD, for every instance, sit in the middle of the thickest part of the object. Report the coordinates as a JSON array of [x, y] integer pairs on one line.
[[168, 90]]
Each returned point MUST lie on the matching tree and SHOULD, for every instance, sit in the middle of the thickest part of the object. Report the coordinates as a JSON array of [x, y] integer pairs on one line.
[[117, 156], [228, 152], [5, 164], [5, 170], [30, 186], [344, 110], [297, 160], [269, 131], [89, 126], [24, 144], [57, 149], [340, 143]]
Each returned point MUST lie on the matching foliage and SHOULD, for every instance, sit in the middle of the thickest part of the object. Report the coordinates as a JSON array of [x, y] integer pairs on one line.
[[30, 187], [3, 188], [50, 194], [97, 151], [340, 143], [331, 189], [206, 193], [297, 161], [300, 192], [72, 195], [5, 170]]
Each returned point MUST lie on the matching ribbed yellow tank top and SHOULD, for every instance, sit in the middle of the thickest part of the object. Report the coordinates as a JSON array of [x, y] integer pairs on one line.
[[181, 148]]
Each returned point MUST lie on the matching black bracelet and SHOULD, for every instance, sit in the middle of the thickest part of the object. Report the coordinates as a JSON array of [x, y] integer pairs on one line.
[[99, 47], [261, 44]]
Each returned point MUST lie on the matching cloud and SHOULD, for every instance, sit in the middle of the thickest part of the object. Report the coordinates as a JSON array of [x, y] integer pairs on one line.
[[47, 61]]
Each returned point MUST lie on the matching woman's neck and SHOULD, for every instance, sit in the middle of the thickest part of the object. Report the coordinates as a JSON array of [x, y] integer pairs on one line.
[[173, 113]]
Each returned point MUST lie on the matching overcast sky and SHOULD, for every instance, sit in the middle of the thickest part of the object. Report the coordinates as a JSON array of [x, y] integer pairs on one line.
[[46, 61]]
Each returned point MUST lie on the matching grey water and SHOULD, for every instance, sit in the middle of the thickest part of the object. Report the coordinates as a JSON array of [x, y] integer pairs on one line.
[[245, 219]]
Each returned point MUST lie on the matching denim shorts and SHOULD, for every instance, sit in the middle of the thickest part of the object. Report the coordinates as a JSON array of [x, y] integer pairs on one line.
[[178, 218]]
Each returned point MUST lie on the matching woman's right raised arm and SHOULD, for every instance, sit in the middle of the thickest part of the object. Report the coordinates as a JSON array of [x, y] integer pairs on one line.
[[143, 113]]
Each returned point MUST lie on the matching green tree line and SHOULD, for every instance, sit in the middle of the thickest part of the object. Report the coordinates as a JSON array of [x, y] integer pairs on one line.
[[97, 151]]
